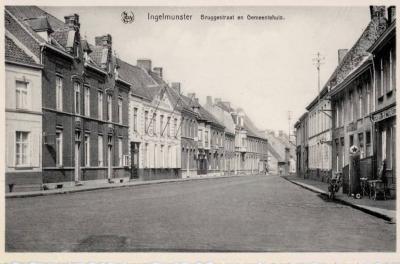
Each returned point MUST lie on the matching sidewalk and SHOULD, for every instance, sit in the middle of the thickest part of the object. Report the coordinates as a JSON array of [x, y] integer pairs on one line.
[[101, 186], [385, 209]]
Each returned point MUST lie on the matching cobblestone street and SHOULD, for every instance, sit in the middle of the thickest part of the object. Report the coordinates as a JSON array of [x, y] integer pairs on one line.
[[252, 213]]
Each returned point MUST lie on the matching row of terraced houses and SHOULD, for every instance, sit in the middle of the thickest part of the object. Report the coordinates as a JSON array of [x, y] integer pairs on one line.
[[356, 107], [76, 113]]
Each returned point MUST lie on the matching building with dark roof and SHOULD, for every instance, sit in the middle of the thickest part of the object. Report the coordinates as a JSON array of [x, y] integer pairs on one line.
[[85, 108], [383, 116], [355, 91]]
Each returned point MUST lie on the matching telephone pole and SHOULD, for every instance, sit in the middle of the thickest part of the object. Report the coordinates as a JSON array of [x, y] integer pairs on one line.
[[318, 61], [289, 118]]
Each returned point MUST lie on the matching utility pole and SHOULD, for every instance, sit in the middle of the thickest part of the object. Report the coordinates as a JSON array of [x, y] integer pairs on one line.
[[318, 61], [289, 118]]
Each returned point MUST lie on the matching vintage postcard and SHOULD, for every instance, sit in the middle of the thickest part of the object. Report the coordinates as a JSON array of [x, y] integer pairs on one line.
[[199, 128]]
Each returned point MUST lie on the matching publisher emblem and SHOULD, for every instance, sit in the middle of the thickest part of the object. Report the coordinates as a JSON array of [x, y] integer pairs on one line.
[[127, 17]]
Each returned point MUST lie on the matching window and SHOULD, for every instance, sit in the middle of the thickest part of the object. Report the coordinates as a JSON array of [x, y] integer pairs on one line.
[[390, 87], [368, 143], [161, 124], [87, 150], [120, 155], [201, 135], [351, 107], [21, 93], [381, 78], [383, 144], [77, 96], [59, 93], [153, 125], [120, 110], [361, 144], [146, 121], [360, 103], [337, 114], [87, 101], [168, 126], [351, 138], [391, 144], [59, 148], [109, 108], [135, 112], [206, 138], [100, 150], [21, 148], [368, 107], [146, 155], [100, 105], [342, 112]]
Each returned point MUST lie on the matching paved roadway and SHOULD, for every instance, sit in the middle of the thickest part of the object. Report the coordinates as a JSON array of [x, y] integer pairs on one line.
[[252, 213]]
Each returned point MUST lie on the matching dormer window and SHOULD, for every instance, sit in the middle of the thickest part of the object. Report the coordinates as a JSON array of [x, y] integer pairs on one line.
[[41, 26]]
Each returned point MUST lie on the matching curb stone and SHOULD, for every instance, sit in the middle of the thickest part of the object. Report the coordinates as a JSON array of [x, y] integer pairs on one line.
[[355, 206], [94, 188]]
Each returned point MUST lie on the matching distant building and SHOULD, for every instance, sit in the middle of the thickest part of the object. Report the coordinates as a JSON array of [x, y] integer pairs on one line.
[[301, 127], [281, 153], [319, 136], [225, 118]]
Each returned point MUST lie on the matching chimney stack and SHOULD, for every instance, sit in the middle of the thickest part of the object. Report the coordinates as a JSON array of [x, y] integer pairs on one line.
[[158, 71], [105, 41], [192, 96], [72, 21], [391, 14], [176, 86], [209, 100], [341, 54], [377, 11], [144, 63]]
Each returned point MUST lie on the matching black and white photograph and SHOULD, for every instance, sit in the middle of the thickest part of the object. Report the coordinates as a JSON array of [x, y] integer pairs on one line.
[[199, 129]]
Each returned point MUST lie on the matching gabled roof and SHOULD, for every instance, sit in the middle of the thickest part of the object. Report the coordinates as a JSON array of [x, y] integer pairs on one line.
[[29, 12], [207, 116], [32, 19], [251, 128], [180, 101], [13, 53], [136, 77], [225, 106]]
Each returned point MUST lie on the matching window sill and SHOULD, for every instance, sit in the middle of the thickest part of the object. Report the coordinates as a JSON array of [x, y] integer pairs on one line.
[[23, 167]]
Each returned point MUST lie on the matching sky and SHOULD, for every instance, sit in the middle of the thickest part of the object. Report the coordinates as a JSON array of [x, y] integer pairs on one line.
[[264, 67]]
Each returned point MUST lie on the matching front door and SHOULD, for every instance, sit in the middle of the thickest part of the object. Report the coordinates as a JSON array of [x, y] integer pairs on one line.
[[77, 156], [77, 161], [134, 160], [109, 162]]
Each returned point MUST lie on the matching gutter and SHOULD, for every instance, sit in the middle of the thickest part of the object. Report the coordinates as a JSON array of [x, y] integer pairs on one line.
[[34, 66], [95, 68], [45, 45]]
